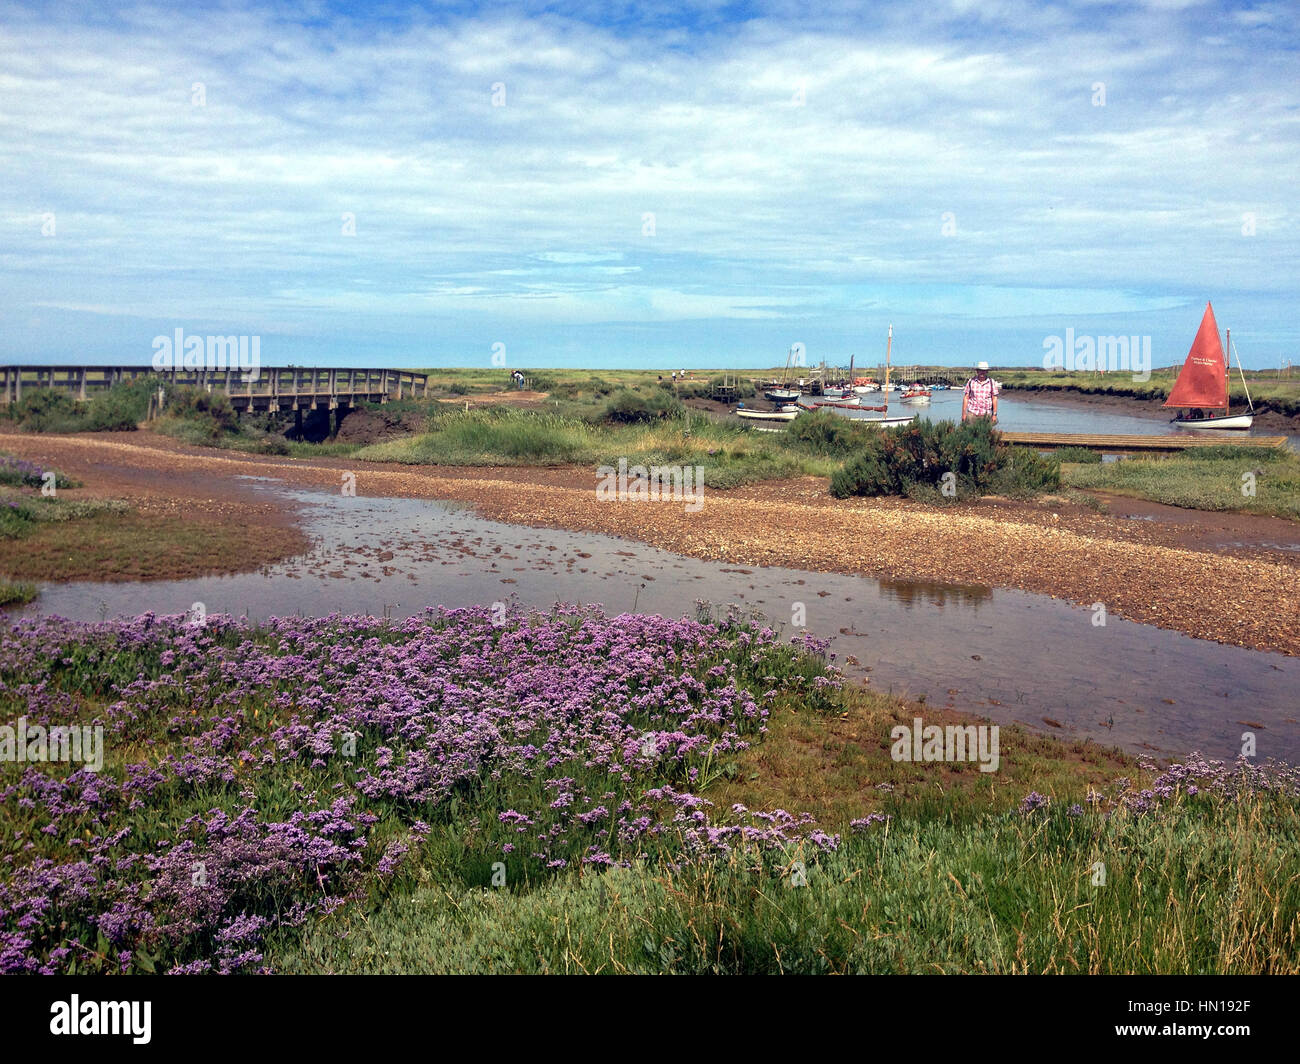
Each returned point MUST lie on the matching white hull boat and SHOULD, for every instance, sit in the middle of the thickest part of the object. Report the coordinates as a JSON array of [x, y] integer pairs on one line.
[[767, 415], [1227, 421], [1202, 383]]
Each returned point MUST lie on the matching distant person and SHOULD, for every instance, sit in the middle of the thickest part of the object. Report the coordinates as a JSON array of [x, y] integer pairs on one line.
[[980, 396]]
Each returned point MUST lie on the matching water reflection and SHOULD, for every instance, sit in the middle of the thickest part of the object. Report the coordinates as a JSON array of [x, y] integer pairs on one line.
[[924, 592]]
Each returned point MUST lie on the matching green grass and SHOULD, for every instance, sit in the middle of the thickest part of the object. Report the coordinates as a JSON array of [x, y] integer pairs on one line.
[[730, 454], [958, 881], [16, 594], [1200, 890], [1210, 478]]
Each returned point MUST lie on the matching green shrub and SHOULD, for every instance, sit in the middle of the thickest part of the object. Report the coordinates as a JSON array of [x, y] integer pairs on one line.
[[119, 408], [209, 414], [914, 459], [628, 407], [46, 410], [822, 432]]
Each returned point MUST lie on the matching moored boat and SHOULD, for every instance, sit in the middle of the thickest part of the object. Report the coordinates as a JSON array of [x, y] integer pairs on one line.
[[766, 415], [1202, 383]]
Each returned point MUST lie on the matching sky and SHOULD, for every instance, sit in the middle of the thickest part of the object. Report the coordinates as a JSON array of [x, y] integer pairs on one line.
[[651, 185]]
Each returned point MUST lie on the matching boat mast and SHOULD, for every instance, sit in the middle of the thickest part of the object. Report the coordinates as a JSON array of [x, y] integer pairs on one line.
[[1231, 351], [889, 344]]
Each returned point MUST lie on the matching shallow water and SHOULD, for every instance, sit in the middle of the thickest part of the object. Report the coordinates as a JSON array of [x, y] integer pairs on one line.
[[1018, 412], [1007, 655]]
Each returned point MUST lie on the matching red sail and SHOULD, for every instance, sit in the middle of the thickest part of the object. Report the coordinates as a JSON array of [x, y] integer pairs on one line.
[[1203, 381]]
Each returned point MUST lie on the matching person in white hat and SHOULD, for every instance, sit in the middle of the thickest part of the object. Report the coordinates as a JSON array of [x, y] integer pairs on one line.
[[980, 396]]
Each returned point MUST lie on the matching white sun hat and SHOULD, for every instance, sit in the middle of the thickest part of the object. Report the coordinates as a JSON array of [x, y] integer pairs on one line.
[[981, 365]]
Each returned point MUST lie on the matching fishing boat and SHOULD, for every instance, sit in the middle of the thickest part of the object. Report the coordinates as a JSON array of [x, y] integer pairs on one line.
[[915, 395], [864, 386], [1202, 383]]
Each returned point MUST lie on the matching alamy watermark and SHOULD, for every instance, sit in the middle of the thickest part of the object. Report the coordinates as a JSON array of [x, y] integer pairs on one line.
[[1107, 354], [684, 484], [77, 1017], [178, 351], [922, 742], [23, 742]]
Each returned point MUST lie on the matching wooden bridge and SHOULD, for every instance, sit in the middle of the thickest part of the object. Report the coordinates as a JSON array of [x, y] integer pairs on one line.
[[273, 390]]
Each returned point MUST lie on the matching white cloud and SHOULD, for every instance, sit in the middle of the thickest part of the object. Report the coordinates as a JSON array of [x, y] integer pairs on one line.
[[537, 209]]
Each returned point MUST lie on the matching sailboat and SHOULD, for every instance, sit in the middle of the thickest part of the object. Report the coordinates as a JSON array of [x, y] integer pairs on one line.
[[783, 393], [1202, 383], [856, 411]]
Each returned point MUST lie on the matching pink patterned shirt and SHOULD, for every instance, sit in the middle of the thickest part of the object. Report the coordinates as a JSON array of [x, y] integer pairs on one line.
[[979, 395]]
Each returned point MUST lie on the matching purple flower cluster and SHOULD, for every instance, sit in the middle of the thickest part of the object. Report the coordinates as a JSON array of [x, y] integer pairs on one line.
[[257, 778], [1195, 777], [20, 471]]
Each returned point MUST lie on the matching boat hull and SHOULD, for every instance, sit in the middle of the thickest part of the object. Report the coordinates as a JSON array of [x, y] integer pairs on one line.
[[768, 415], [1236, 422], [781, 395]]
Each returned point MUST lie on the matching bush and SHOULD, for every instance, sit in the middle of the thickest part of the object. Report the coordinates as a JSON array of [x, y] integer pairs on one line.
[[46, 410], [913, 460], [119, 408], [822, 432], [628, 407], [208, 413]]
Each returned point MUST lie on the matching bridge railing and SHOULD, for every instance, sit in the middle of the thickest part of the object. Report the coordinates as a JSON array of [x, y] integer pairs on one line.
[[275, 382]]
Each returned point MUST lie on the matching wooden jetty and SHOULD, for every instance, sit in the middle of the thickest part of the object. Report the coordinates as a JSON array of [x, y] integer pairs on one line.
[[1096, 442]]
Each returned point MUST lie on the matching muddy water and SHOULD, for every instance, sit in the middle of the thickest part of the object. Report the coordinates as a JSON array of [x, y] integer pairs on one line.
[[1007, 655]]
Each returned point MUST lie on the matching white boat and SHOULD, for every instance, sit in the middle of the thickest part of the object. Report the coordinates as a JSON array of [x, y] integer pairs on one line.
[[867, 417], [1202, 383], [766, 415], [874, 415], [916, 396], [1227, 421]]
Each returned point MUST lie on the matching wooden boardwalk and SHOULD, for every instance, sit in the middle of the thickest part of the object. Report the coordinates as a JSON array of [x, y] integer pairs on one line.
[[275, 389], [1181, 442]]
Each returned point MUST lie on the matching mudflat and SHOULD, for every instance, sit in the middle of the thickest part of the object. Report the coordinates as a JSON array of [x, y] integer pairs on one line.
[[1231, 578]]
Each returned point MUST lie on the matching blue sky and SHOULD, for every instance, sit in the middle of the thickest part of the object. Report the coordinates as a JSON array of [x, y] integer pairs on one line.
[[980, 175]]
